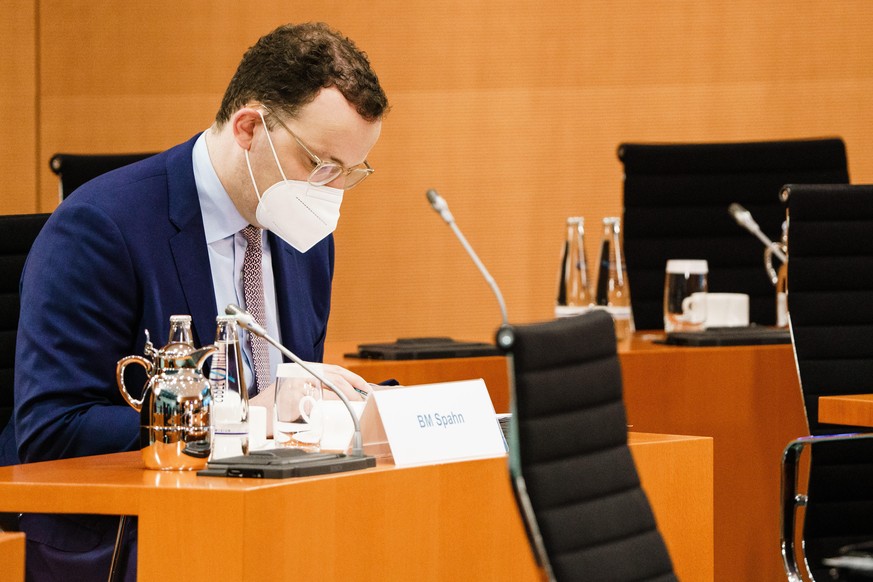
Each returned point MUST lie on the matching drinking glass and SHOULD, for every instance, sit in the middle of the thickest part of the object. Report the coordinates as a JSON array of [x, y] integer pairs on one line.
[[297, 410], [684, 278]]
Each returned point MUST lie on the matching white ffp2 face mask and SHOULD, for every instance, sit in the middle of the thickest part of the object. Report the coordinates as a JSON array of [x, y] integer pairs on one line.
[[296, 211]]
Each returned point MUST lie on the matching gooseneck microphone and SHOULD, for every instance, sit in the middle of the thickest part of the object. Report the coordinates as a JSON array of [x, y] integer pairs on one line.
[[439, 204], [246, 321], [744, 219]]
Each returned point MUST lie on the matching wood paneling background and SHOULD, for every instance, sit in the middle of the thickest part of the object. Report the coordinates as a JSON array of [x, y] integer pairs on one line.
[[512, 110], [18, 107]]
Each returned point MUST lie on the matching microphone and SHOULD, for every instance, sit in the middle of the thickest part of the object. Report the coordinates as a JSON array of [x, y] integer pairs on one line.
[[744, 219], [246, 321], [439, 204]]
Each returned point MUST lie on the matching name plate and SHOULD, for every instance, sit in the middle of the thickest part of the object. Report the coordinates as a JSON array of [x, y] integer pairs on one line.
[[432, 423]]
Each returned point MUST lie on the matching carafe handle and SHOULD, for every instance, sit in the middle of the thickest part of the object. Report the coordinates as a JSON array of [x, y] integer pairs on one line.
[[119, 377]]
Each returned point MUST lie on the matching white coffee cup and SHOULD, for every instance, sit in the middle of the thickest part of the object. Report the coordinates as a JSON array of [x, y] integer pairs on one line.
[[338, 425], [719, 309], [257, 427]]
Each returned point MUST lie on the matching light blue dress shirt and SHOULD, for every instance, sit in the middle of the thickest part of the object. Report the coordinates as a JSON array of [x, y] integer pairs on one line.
[[222, 223]]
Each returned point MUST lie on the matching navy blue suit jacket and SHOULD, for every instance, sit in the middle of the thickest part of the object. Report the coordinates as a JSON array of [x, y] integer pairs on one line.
[[119, 256]]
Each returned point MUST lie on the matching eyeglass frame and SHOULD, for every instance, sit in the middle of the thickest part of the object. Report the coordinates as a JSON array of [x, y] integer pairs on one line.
[[319, 163]]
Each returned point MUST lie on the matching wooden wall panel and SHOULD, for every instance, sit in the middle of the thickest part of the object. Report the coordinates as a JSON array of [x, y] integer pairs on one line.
[[513, 111], [18, 107]]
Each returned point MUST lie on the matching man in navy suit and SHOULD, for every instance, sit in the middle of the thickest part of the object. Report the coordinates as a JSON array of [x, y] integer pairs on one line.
[[166, 236]]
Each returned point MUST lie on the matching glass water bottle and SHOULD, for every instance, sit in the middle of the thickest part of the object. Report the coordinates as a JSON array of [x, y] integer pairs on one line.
[[574, 294], [180, 340], [180, 330], [230, 398], [782, 296], [782, 282], [613, 290]]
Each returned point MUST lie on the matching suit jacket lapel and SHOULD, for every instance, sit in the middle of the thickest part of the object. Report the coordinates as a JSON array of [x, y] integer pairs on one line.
[[302, 295], [286, 281], [190, 255]]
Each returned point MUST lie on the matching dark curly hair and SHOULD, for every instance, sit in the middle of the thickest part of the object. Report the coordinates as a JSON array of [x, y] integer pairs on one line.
[[287, 68]]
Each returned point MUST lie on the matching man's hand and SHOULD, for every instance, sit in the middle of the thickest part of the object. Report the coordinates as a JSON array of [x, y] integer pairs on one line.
[[348, 382]]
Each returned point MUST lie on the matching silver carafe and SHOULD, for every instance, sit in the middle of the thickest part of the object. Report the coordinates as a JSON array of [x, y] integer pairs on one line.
[[176, 406]]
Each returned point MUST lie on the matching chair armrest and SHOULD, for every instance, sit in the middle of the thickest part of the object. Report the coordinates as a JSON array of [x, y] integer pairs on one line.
[[792, 499]]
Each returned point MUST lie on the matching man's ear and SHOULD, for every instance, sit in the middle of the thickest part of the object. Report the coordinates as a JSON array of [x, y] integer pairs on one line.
[[243, 124]]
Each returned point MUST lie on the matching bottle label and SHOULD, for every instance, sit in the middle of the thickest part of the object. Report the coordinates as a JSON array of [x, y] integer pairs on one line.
[[781, 309], [570, 310], [618, 311]]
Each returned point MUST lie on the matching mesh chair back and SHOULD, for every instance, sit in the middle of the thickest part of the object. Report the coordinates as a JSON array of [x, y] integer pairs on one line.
[[830, 303], [17, 234], [676, 198], [73, 170], [569, 453], [830, 292]]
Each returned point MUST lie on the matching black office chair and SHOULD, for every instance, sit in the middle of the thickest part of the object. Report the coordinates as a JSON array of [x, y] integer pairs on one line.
[[830, 303], [572, 471], [73, 170], [676, 198], [17, 233]]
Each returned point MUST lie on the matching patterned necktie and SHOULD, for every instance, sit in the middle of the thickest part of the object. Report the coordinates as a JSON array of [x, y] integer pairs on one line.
[[253, 293]]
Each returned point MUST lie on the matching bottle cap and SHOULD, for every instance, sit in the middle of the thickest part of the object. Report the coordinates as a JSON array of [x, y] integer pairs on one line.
[[687, 267]]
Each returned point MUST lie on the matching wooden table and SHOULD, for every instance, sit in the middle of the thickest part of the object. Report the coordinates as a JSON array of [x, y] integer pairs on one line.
[[852, 409], [11, 556], [492, 369], [453, 521], [746, 397]]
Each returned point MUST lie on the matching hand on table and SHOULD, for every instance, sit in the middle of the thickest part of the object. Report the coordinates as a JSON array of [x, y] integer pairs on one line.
[[351, 385]]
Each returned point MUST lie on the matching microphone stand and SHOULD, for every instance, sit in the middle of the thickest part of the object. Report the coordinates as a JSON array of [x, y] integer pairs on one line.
[[744, 219], [441, 206], [246, 321]]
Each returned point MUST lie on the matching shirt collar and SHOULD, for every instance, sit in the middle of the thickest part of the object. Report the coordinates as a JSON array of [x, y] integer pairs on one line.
[[221, 219]]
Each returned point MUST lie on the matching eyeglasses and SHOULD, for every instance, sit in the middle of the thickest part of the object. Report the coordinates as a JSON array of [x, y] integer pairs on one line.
[[326, 172]]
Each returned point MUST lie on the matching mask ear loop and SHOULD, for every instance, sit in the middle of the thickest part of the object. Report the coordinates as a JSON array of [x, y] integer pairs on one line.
[[275, 157], [273, 149], [255, 184]]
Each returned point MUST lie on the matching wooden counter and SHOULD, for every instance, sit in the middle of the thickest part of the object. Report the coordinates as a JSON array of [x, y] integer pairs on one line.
[[746, 397], [12, 556], [492, 369], [453, 521], [852, 409]]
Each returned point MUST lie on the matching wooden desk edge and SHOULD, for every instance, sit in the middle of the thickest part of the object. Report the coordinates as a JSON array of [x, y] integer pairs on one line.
[[12, 555], [50, 487], [850, 409]]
